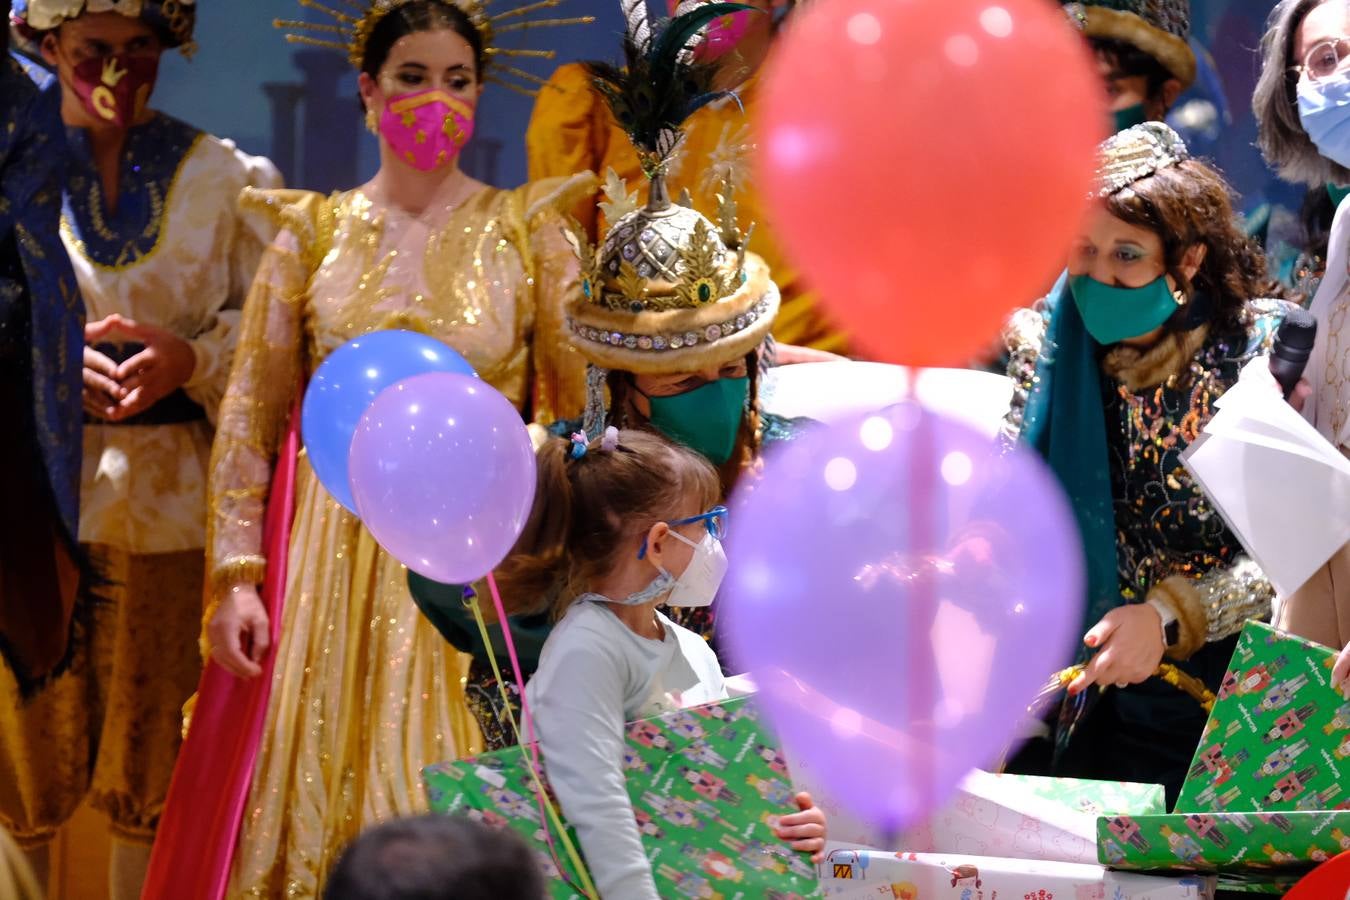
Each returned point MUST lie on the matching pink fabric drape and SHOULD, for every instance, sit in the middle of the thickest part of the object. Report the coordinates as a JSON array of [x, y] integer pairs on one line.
[[194, 848]]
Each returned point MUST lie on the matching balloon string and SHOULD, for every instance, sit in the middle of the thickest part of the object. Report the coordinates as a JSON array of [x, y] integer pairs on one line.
[[531, 755], [922, 691]]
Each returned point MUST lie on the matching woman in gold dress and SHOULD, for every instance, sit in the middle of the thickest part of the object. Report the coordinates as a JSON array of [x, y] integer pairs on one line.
[[364, 692]]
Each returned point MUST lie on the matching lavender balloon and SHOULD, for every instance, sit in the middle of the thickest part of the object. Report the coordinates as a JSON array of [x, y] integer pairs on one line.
[[899, 589], [348, 381], [443, 473]]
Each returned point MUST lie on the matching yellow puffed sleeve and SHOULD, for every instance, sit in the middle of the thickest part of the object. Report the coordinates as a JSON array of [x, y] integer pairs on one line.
[[569, 133]]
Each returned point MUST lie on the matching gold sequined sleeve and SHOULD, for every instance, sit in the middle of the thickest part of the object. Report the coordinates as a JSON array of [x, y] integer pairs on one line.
[[1023, 336], [1216, 605], [558, 382], [267, 371]]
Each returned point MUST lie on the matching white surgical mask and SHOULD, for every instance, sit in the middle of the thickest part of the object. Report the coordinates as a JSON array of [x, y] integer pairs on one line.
[[699, 582]]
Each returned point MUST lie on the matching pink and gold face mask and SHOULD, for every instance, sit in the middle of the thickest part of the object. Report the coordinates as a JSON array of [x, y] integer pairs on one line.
[[427, 129], [116, 89]]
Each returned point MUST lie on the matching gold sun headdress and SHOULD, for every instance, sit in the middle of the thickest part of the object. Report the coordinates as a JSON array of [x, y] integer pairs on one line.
[[354, 21]]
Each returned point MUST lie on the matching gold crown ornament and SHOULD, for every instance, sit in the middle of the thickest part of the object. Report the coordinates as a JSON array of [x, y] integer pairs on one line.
[[667, 291], [1134, 154], [354, 21]]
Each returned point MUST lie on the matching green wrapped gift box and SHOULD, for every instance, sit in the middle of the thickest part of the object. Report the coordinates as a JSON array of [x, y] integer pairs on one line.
[[1266, 793], [1278, 739], [1223, 842], [707, 785]]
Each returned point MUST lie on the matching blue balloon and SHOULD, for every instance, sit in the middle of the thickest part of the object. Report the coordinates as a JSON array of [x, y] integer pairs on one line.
[[345, 385]]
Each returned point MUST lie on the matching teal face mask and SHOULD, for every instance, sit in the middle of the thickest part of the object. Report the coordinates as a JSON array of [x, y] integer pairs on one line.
[[1114, 314], [1338, 193], [706, 419], [1129, 117]]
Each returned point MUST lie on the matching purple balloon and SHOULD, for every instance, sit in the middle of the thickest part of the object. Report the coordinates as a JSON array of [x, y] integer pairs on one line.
[[900, 588], [443, 473]]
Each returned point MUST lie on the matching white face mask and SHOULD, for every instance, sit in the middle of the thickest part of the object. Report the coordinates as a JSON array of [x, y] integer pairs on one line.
[[699, 582], [703, 576]]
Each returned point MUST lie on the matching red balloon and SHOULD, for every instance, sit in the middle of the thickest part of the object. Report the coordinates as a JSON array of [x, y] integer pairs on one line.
[[1329, 880], [926, 163]]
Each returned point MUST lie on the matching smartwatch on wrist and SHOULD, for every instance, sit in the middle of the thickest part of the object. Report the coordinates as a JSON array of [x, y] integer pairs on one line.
[[1171, 628]]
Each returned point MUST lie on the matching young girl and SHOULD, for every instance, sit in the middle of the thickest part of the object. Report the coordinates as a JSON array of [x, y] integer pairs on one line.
[[627, 523]]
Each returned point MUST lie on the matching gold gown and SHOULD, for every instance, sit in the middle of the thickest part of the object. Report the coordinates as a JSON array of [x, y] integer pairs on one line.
[[572, 130], [365, 692]]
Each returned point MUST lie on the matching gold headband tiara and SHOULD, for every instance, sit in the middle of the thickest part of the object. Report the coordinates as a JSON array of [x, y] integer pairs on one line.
[[1135, 154], [355, 21]]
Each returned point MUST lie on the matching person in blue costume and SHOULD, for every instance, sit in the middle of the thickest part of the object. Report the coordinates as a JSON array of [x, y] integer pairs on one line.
[[673, 315], [41, 339], [150, 225], [45, 583], [1152, 323]]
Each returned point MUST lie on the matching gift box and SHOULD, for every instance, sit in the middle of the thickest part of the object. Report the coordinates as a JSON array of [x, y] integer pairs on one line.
[[707, 786], [1223, 842], [939, 876], [1264, 797], [1025, 817], [1278, 739]]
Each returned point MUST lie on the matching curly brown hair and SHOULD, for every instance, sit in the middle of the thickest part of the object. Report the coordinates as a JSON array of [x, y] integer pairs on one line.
[[1189, 204]]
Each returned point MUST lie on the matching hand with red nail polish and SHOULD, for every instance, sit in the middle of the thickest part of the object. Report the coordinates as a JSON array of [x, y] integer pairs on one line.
[[1130, 639]]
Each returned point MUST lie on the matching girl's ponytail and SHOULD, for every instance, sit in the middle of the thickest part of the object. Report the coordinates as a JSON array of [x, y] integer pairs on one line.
[[536, 567]]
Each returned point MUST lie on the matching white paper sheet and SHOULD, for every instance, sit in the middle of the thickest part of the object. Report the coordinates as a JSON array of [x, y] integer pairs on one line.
[[1282, 488]]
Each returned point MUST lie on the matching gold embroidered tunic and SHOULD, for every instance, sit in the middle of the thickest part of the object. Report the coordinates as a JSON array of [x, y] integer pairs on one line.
[[365, 691], [176, 254]]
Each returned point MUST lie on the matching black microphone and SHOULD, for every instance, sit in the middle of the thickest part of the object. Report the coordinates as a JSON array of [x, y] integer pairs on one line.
[[1294, 341]]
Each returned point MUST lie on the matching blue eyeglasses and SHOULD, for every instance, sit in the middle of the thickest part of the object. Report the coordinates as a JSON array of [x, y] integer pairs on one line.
[[715, 519]]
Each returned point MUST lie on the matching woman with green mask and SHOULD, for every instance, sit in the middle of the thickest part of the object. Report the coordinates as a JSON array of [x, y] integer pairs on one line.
[[1153, 322], [673, 316]]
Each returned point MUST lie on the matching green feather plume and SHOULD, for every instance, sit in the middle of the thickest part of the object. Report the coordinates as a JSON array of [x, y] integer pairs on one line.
[[661, 86]]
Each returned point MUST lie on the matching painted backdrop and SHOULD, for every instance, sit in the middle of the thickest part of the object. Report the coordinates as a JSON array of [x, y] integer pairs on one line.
[[298, 105]]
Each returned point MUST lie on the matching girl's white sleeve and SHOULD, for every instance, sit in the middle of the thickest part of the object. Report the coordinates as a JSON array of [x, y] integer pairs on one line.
[[580, 717]]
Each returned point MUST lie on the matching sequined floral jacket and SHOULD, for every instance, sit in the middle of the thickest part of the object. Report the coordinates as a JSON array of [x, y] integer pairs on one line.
[[1172, 544]]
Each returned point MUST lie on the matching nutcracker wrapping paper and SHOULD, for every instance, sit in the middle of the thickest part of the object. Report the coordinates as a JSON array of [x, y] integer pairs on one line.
[[1224, 842], [1278, 739], [1265, 799], [849, 874], [707, 785]]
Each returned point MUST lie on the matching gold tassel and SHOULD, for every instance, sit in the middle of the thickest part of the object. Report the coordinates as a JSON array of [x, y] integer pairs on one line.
[[524, 10], [533, 54], [522, 74], [324, 27], [328, 11], [316, 42], [545, 23]]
